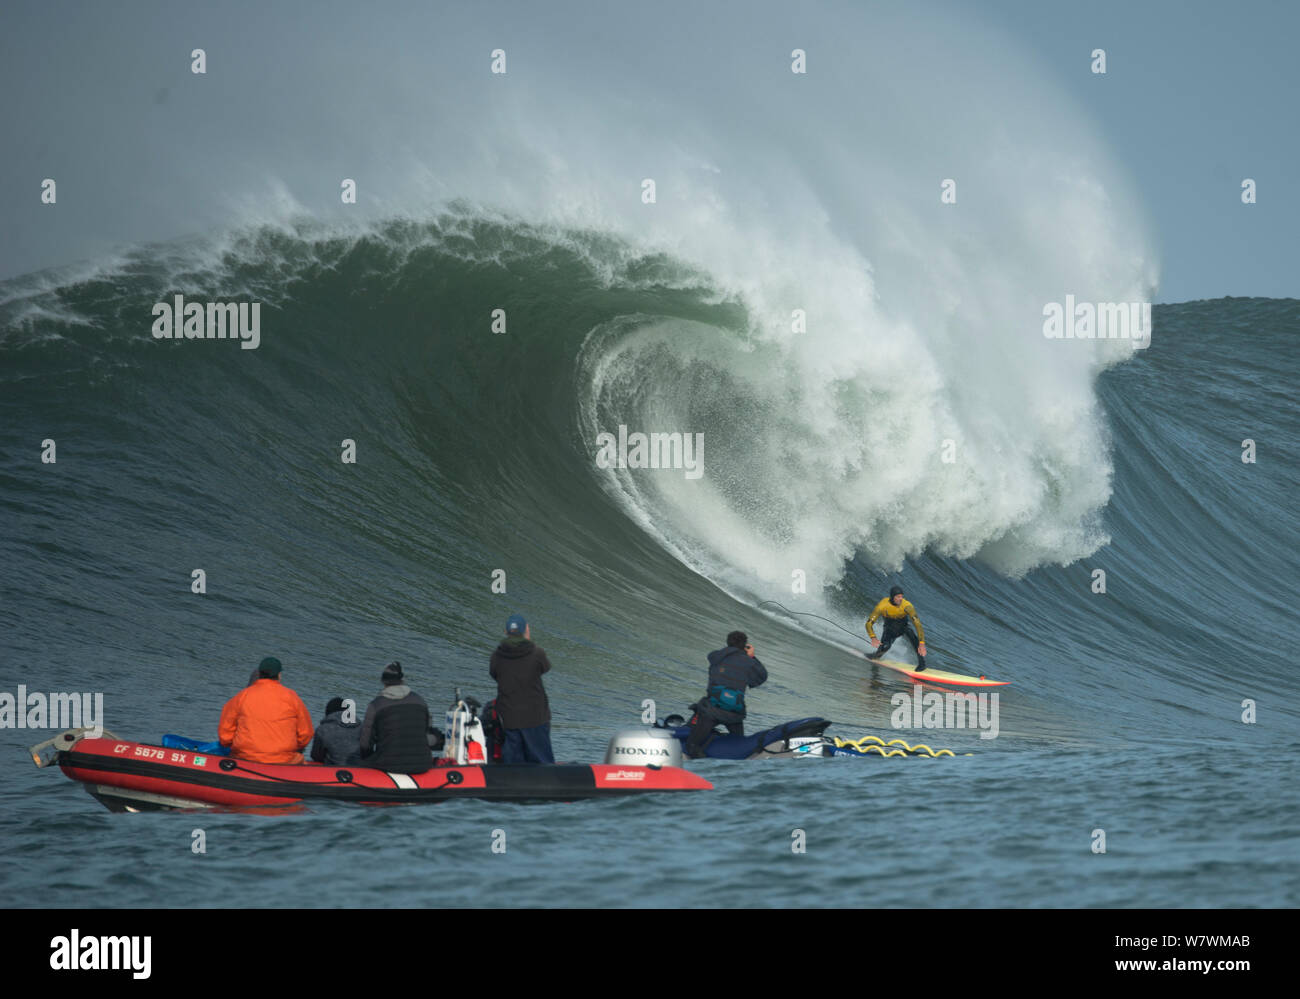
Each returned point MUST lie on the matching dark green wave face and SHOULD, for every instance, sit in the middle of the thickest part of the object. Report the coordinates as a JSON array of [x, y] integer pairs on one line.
[[477, 454]]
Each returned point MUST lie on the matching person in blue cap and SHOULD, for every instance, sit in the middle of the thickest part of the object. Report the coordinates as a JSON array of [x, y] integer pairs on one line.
[[517, 666]]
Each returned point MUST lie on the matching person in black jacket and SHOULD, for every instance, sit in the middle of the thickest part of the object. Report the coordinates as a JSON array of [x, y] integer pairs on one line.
[[337, 741], [517, 666], [731, 670], [394, 735]]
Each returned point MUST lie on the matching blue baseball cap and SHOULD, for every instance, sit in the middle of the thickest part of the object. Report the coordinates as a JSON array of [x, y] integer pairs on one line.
[[516, 625]]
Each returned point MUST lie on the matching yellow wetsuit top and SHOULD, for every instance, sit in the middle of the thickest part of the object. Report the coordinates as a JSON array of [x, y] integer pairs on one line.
[[886, 608]]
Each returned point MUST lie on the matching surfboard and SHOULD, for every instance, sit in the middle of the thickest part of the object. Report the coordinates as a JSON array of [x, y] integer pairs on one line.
[[933, 675]]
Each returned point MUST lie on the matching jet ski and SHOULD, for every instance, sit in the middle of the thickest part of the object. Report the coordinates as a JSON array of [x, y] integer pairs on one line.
[[803, 738]]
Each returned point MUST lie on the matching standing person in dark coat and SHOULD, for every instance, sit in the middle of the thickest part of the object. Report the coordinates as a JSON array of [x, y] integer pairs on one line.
[[517, 666], [394, 736], [731, 670], [337, 742]]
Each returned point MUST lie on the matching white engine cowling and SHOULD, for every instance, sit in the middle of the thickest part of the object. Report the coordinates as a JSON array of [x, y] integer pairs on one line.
[[644, 747]]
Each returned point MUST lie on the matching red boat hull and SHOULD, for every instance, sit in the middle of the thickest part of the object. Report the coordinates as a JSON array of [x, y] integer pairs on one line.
[[134, 776]]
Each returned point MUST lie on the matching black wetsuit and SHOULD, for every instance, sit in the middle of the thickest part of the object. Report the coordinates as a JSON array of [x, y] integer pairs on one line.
[[892, 629]]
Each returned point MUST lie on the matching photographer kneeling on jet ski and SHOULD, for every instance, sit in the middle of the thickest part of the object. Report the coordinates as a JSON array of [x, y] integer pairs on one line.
[[731, 670]]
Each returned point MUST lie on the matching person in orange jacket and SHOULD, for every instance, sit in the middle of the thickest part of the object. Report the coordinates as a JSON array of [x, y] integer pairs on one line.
[[266, 722]]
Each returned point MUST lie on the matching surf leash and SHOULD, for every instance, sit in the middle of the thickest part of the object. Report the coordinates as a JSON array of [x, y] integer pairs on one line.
[[851, 634], [773, 603]]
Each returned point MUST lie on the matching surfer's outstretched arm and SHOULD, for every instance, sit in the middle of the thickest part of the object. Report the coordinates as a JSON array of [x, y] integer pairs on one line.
[[871, 631]]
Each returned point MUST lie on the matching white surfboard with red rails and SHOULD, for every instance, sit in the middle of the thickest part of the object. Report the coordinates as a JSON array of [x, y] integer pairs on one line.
[[933, 675]]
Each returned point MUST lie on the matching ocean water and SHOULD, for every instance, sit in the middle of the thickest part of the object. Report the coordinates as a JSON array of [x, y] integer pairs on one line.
[[1125, 708]]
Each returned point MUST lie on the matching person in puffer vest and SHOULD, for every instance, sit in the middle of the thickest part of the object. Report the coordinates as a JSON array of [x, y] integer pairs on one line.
[[337, 742], [394, 735]]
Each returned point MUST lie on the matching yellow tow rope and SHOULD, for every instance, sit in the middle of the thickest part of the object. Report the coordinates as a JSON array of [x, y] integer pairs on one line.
[[875, 744]]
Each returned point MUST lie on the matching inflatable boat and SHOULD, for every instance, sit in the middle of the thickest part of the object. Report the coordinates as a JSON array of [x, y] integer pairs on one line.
[[132, 776]]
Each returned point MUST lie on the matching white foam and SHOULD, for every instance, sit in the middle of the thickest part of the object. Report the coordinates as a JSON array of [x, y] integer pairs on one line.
[[925, 324]]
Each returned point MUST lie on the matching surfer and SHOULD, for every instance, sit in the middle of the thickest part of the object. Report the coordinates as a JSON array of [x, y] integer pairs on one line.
[[897, 612]]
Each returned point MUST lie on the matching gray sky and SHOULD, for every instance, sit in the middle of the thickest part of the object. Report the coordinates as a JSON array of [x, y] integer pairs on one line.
[[1197, 96]]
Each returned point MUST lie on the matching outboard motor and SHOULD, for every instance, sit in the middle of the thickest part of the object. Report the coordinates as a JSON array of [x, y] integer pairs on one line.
[[644, 747], [464, 743], [47, 753]]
